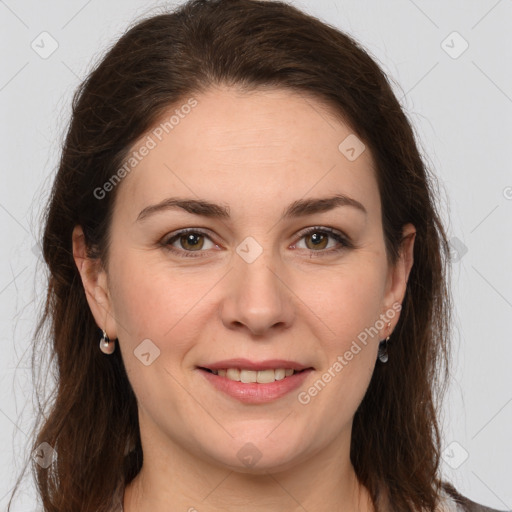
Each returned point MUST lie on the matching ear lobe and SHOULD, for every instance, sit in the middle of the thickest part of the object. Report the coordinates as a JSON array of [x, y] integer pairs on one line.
[[94, 280]]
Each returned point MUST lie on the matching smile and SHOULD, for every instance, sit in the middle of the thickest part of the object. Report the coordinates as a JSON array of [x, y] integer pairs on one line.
[[255, 386], [251, 376]]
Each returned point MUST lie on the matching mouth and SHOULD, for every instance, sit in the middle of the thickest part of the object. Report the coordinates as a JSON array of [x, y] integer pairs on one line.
[[255, 382], [247, 376]]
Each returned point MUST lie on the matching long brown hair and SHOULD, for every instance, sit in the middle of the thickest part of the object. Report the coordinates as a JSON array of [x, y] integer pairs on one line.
[[161, 61]]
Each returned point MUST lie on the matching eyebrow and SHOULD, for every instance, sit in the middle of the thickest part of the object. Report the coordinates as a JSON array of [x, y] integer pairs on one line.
[[207, 209]]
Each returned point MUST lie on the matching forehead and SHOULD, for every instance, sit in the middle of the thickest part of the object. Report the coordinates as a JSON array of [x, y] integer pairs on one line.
[[249, 148]]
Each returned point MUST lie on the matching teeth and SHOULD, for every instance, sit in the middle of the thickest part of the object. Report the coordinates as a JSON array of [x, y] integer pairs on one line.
[[233, 374], [280, 374], [250, 376]]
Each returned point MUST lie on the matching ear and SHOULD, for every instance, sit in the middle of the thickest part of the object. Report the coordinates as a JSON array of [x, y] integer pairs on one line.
[[399, 273], [94, 280]]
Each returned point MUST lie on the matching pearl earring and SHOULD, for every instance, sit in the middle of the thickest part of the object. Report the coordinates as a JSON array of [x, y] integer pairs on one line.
[[383, 348], [107, 346]]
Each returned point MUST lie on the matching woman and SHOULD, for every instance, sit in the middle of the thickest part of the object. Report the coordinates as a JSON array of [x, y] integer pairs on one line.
[[243, 222]]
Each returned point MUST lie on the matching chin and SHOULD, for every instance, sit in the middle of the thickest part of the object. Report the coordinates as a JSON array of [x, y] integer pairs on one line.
[[259, 457]]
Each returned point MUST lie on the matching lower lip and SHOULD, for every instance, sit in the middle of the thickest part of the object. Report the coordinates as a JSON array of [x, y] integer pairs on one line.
[[254, 393]]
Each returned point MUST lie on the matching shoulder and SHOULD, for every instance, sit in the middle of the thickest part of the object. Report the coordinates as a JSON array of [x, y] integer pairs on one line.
[[460, 503]]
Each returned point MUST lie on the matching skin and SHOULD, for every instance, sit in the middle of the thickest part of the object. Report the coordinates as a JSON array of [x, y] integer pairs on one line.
[[256, 153]]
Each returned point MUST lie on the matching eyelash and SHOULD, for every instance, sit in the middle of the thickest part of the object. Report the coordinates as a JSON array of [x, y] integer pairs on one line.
[[343, 240]]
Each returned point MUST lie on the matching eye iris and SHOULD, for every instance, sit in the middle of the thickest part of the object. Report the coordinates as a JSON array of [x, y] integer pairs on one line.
[[189, 239], [317, 240]]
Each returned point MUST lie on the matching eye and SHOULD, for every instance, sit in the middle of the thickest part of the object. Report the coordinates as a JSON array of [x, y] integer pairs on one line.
[[189, 240], [317, 240], [186, 242]]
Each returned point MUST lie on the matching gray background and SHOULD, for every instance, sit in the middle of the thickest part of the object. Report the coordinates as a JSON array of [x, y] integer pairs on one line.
[[460, 103]]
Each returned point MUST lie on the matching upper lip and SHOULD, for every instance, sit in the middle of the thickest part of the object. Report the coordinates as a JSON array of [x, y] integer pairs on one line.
[[246, 364]]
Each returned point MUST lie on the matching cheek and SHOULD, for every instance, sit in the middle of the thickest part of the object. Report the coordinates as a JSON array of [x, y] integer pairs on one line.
[[347, 300], [153, 300], [350, 307], [153, 303]]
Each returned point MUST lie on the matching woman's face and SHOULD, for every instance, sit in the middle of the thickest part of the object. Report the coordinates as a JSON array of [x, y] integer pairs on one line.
[[253, 288]]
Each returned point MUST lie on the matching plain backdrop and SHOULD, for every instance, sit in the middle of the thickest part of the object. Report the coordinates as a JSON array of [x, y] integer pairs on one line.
[[451, 64]]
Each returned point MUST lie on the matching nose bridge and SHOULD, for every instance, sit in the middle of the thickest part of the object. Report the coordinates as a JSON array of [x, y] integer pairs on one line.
[[258, 299]]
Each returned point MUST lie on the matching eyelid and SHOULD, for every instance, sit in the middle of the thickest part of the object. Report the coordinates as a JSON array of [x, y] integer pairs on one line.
[[324, 229]]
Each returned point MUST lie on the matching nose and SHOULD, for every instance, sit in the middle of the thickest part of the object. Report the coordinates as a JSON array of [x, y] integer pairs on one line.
[[257, 298]]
